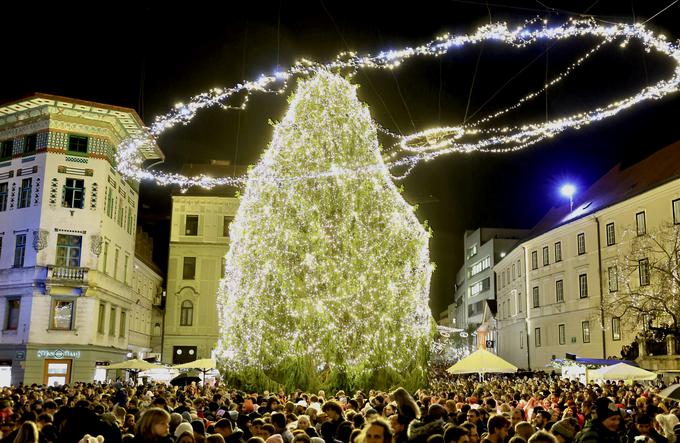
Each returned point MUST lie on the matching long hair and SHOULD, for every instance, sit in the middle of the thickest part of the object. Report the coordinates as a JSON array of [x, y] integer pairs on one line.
[[28, 433], [149, 418], [406, 405]]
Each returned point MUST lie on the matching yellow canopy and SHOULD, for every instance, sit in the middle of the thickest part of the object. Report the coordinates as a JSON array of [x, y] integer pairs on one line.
[[622, 371], [134, 364], [202, 364], [481, 362]]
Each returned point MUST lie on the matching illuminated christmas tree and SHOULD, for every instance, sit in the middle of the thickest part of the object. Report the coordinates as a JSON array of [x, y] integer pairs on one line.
[[328, 273]]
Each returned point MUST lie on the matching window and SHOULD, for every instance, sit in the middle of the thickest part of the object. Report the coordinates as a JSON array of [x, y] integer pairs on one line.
[[480, 266], [534, 259], [102, 316], [6, 149], [559, 291], [62, 314], [612, 275], [225, 226], [25, 193], [112, 321], [558, 252], [189, 271], [519, 268], [125, 267], [583, 285], [519, 302], [611, 234], [77, 143], [513, 272], [105, 256], [472, 251], [641, 223], [30, 143], [581, 243], [676, 211], [3, 196], [116, 254], [644, 271], [616, 328], [585, 329], [537, 337], [187, 314], [68, 250], [109, 203], [123, 320], [191, 227], [535, 297], [13, 307], [19, 251], [521, 339], [121, 212], [546, 256], [74, 193], [480, 286], [224, 267], [562, 334]]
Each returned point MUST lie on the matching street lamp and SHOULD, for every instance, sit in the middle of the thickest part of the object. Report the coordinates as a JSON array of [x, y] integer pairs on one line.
[[568, 190]]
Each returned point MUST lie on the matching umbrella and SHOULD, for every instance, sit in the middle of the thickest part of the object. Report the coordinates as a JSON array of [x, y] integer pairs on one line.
[[672, 392], [481, 362], [622, 371], [204, 364], [134, 365], [184, 379]]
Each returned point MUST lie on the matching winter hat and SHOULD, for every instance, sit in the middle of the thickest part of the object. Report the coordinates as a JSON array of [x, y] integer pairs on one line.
[[182, 428], [276, 438], [198, 426], [566, 428], [186, 416], [605, 408]]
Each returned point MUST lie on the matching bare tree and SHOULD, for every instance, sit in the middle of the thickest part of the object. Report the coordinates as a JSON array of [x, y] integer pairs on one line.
[[648, 278]]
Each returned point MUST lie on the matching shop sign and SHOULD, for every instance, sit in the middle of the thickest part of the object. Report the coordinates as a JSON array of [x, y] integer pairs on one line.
[[58, 354], [20, 355]]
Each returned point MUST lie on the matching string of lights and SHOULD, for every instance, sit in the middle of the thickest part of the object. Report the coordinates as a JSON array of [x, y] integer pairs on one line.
[[425, 145]]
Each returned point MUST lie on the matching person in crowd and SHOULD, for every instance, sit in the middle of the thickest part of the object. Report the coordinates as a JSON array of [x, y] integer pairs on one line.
[[153, 427]]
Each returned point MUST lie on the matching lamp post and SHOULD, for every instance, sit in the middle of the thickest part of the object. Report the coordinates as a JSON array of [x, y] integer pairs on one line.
[[568, 190]]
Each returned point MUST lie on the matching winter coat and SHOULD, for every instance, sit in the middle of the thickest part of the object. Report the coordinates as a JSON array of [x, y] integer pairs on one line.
[[419, 431], [594, 432]]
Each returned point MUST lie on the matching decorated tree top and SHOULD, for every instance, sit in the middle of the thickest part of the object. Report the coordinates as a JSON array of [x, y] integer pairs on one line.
[[327, 269]]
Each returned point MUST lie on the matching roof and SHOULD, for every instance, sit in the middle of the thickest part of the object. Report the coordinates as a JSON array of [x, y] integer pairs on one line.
[[126, 120], [619, 184], [594, 361]]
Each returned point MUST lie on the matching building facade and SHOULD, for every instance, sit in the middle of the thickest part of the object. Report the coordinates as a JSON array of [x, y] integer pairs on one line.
[[571, 265], [511, 341], [199, 240], [68, 223]]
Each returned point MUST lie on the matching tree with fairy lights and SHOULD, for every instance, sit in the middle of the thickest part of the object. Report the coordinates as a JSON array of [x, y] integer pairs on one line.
[[645, 283], [328, 272]]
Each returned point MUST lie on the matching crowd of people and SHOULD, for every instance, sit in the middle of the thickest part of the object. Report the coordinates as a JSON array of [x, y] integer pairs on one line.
[[537, 408]]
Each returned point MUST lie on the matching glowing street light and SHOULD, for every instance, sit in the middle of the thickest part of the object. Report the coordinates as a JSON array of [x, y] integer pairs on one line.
[[568, 190]]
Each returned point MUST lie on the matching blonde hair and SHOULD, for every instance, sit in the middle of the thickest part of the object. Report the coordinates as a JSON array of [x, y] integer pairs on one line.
[[149, 418], [28, 433]]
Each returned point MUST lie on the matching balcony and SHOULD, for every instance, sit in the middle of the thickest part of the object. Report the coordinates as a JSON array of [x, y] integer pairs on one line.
[[73, 278]]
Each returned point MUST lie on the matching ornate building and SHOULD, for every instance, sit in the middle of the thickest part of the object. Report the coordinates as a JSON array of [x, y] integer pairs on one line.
[[67, 239]]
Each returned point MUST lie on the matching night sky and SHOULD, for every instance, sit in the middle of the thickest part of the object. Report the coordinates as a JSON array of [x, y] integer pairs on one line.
[[150, 57]]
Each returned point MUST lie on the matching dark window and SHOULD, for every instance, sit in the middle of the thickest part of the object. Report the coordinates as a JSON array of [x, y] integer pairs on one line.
[[611, 234], [537, 337], [583, 285], [191, 227], [534, 260], [74, 193], [30, 143], [102, 316], [187, 314], [225, 226], [581, 243], [559, 291], [676, 211], [613, 279], [6, 149], [123, 321], [641, 223], [546, 256], [558, 252], [77, 143], [68, 250], [13, 307], [189, 271], [112, 321], [562, 334], [3, 196], [644, 271], [25, 193], [585, 329], [19, 250], [535, 297]]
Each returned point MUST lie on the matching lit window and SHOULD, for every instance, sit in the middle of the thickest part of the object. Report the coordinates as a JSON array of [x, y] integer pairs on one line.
[[611, 234], [641, 223], [616, 328], [225, 226], [676, 211], [62, 314], [585, 329], [612, 275]]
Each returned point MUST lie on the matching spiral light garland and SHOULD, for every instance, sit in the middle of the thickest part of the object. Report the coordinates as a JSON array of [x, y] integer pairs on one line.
[[425, 145]]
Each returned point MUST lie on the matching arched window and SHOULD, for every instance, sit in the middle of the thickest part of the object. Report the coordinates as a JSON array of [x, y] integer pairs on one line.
[[187, 314]]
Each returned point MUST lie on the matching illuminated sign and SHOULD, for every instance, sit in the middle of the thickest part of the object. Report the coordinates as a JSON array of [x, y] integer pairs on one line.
[[58, 354]]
